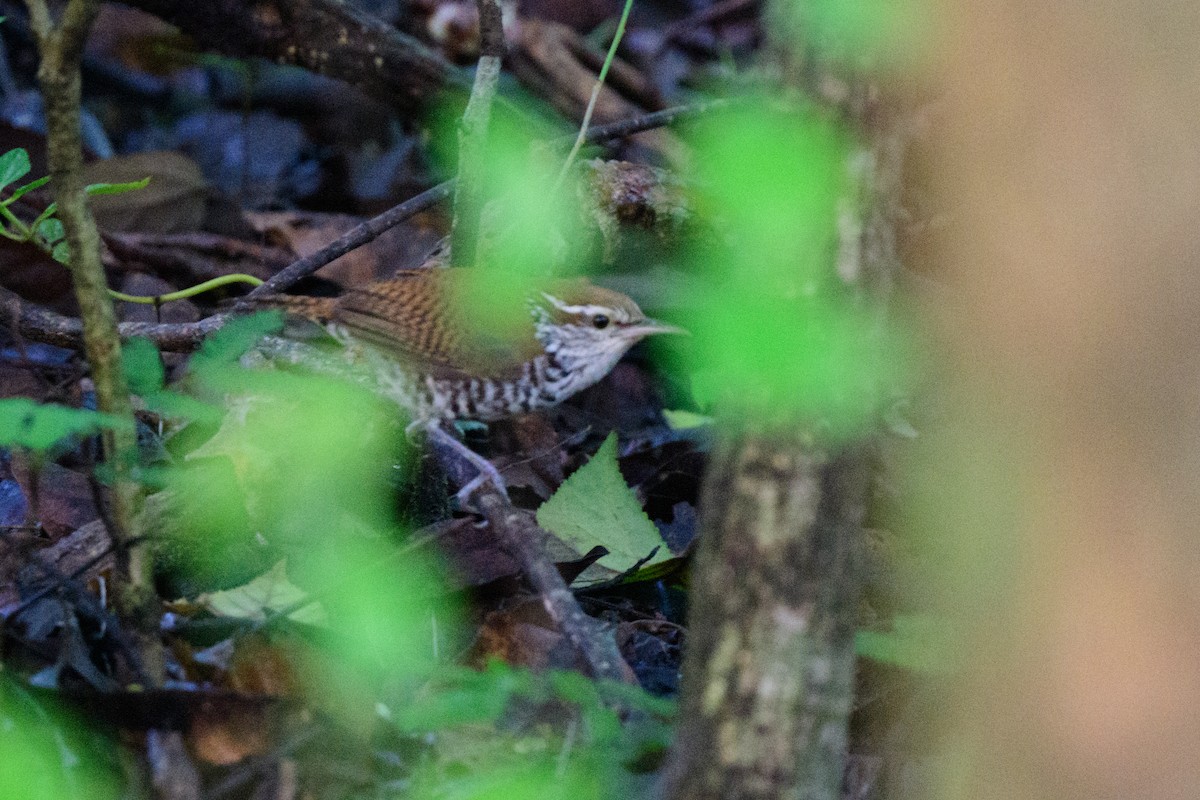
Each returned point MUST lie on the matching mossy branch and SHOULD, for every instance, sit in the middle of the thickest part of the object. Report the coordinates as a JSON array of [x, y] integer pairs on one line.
[[60, 47]]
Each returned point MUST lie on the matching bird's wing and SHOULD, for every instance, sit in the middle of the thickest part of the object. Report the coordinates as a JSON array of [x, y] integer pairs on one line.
[[406, 316]]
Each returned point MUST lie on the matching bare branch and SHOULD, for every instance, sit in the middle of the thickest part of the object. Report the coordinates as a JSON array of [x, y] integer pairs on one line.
[[355, 237], [325, 36], [525, 542], [473, 137]]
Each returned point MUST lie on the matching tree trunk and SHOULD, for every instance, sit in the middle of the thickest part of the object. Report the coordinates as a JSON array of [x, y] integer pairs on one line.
[[770, 662]]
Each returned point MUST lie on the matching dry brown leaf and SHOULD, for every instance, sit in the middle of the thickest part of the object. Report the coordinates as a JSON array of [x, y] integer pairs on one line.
[[229, 734], [173, 202]]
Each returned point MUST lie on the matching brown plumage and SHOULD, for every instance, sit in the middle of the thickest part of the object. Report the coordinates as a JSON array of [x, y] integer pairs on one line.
[[569, 335]]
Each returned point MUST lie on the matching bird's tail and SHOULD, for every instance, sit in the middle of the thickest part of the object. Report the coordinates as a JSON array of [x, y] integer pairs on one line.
[[317, 309]]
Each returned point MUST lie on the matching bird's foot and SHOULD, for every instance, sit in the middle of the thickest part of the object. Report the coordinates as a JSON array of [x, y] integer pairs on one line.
[[454, 455]]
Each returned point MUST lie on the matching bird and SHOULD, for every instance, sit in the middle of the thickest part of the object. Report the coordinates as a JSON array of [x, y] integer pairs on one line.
[[437, 363]]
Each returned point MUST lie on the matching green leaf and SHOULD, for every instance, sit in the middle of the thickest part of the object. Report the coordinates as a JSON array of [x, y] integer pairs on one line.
[[917, 642], [144, 373], [50, 230], [236, 338], [14, 165], [61, 253], [596, 507], [267, 594], [685, 420], [173, 202], [116, 188], [46, 214], [29, 187], [142, 366], [24, 423]]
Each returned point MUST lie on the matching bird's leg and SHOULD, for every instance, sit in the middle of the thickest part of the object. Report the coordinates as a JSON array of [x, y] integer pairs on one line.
[[448, 448]]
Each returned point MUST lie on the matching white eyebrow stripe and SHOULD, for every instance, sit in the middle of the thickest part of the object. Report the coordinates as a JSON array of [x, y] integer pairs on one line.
[[574, 309], [587, 310]]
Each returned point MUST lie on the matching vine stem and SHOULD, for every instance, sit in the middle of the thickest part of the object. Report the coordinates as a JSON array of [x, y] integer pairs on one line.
[[191, 291]]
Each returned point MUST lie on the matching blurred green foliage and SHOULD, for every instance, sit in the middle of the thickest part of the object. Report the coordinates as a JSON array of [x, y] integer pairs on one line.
[[39, 426], [45, 755], [889, 34], [611, 732], [528, 230], [782, 337], [307, 464]]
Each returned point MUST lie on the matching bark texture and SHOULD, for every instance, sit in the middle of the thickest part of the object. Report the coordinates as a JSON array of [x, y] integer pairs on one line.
[[770, 661], [60, 47], [327, 37]]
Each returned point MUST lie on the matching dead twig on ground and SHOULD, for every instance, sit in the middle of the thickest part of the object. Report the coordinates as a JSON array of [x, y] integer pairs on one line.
[[197, 256], [525, 541]]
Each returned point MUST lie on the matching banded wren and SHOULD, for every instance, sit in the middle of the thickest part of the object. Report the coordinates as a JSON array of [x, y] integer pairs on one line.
[[434, 365]]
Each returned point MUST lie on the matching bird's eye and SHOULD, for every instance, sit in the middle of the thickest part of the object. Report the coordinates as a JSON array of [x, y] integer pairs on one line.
[[600, 321]]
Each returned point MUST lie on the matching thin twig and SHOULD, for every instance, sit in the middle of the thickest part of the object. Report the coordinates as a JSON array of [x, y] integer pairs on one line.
[[354, 238], [60, 49], [521, 537], [645, 122], [524, 541], [473, 137]]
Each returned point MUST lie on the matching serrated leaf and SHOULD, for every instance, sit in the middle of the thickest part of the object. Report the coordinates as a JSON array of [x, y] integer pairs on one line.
[[24, 423], [596, 507], [14, 165], [269, 593]]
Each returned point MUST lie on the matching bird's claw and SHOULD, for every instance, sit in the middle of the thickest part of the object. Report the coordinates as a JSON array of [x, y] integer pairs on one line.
[[486, 472]]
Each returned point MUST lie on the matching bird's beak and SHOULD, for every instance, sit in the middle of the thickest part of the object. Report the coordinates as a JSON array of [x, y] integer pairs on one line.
[[649, 327]]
